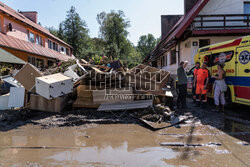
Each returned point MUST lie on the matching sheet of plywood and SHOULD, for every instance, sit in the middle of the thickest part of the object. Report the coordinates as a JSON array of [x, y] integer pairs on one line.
[[26, 76], [125, 105]]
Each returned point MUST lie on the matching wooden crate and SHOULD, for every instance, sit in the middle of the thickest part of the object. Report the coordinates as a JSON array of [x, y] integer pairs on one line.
[[42, 104], [90, 97]]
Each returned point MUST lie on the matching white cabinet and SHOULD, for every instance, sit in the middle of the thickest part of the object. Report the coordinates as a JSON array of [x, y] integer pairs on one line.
[[52, 86]]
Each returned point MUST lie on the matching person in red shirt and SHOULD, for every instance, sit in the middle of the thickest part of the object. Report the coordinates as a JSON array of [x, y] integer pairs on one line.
[[197, 66], [201, 81]]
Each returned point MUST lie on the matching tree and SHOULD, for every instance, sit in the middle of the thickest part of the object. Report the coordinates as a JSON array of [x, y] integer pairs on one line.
[[60, 32], [113, 30], [52, 30], [75, 33], [146, 44]]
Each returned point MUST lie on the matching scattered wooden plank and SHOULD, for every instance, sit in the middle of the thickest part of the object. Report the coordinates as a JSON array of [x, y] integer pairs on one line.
[[125, 105]]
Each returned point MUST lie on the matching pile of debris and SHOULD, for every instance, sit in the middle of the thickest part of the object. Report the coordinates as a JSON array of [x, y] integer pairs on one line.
[[79, 84]]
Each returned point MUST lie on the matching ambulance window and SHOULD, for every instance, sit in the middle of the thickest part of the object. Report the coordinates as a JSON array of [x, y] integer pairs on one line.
[[221, 57], [207, 59]]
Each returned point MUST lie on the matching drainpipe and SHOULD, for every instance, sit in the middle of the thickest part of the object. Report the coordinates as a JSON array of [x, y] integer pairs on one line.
[[179, 52]]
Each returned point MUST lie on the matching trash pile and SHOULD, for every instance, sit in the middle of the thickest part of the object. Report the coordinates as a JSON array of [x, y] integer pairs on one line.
[[79, 84]]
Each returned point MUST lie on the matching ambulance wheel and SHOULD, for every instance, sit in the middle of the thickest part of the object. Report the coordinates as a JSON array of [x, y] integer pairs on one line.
[[228, 98]]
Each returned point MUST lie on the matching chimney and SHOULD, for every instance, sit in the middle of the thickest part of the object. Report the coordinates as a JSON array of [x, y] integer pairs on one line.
[[32, 15], [167, 23], [188, 4]]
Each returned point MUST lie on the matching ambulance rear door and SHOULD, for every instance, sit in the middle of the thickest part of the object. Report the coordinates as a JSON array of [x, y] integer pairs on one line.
[[242, 74]]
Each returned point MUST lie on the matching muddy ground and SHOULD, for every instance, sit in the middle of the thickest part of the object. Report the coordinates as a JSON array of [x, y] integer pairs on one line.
[[13, 119], [90, 138]]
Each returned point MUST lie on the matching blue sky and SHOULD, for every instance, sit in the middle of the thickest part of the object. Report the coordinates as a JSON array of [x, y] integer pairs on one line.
[[144, 15]]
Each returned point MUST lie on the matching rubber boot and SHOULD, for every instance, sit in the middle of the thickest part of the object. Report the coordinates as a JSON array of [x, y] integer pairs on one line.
[[222, 108]]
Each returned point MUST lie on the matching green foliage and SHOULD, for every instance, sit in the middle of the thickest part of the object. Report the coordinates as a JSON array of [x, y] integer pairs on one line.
[[112, 41], [52, 30], [146, 44], [97, 59], [113, 30], [76, 33]]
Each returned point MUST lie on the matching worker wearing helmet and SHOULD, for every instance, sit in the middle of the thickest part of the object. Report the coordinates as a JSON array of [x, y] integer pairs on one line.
[[201, 81]]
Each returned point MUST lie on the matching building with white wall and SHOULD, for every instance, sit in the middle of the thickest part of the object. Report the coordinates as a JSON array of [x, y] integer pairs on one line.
[[204, 22]]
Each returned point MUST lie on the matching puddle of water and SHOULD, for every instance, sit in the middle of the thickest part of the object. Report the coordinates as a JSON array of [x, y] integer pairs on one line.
[[117, 145], [238, 128], [147, 156], [104, 145]]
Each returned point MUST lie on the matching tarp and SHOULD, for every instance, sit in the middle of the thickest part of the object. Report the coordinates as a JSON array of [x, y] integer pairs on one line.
[[9, 58]]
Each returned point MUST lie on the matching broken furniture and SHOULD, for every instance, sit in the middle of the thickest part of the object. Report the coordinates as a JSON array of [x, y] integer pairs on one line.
[[42, 104], [89, 96], [26, 76], [71, 73], [16, 98], [147, 79], [7, 83], [4, 100], [55, 85]]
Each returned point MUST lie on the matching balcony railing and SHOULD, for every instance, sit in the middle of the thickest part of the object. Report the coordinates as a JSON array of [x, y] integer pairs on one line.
[[229, 21]]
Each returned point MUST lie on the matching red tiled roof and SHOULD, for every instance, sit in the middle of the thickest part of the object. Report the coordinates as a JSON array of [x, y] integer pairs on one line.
[[18, 44], [179, 28], [6, 9]]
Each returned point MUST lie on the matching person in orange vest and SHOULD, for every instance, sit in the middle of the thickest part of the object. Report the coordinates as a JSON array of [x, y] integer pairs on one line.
[[201, 80], [197, 66]]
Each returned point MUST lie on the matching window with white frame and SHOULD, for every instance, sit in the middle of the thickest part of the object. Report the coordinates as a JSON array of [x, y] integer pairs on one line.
[[62, 49], [50, 45], [39, 40], [31, 36], [55, 46], [67, 51]]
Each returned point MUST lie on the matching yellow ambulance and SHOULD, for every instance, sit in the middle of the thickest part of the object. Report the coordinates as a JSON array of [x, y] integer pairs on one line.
[[236, 56]]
